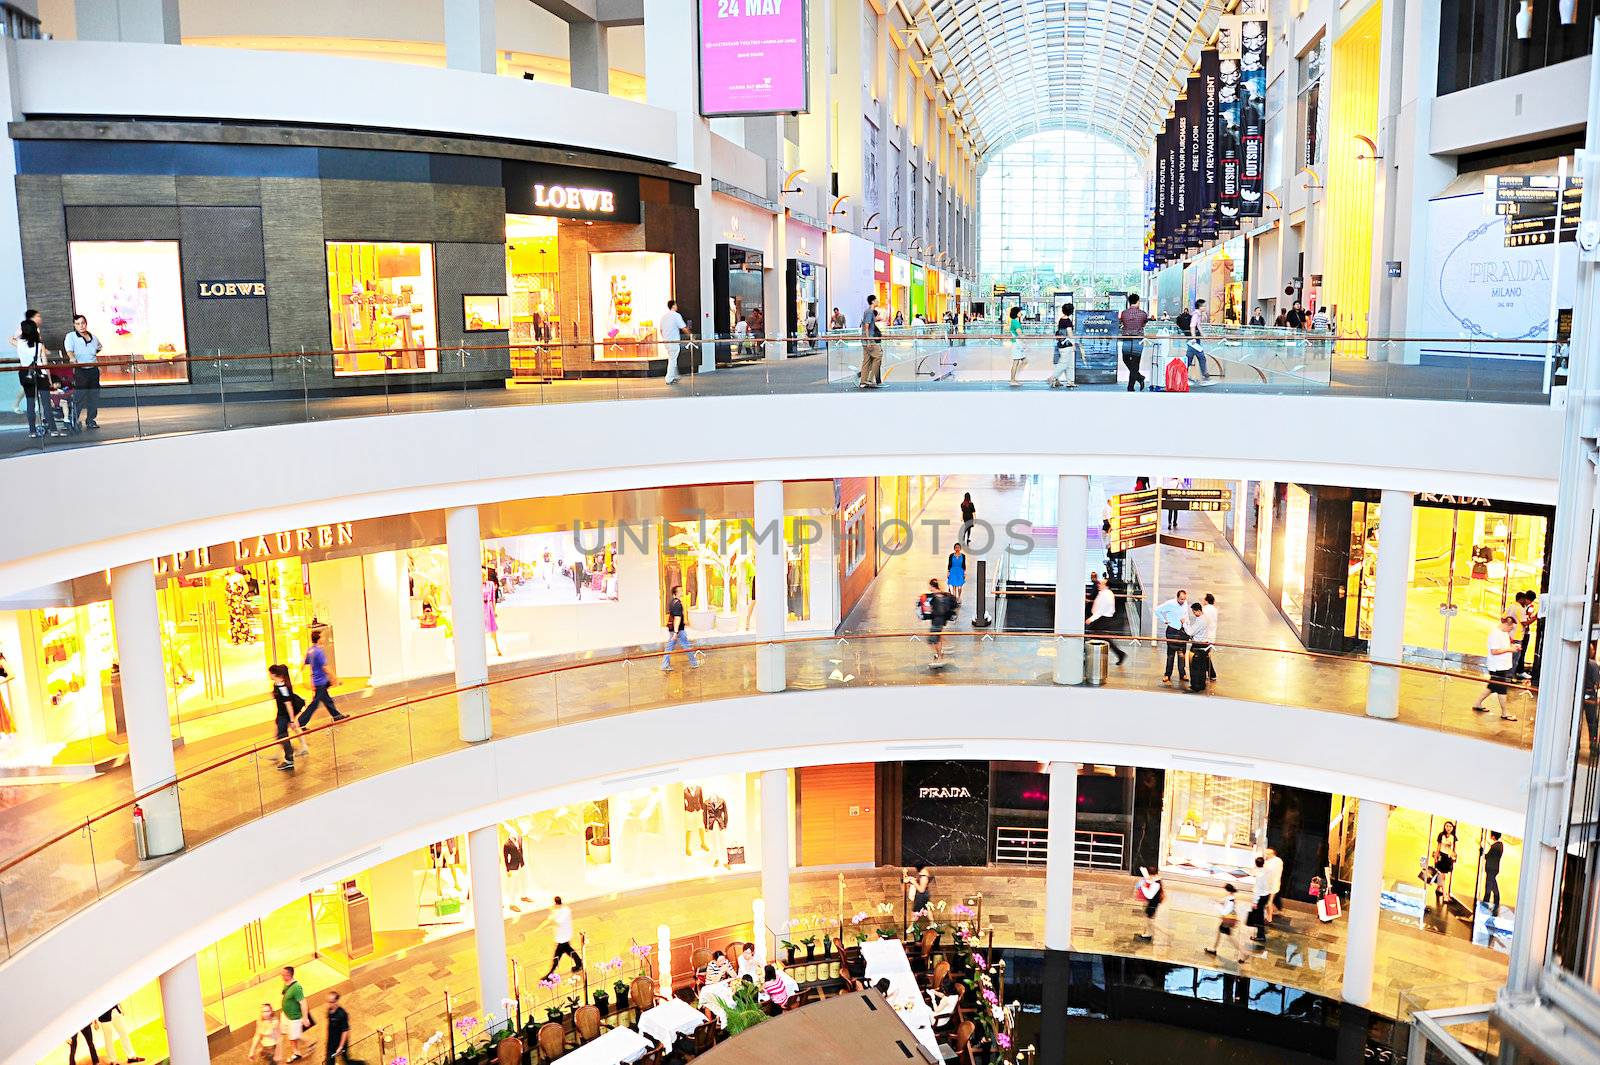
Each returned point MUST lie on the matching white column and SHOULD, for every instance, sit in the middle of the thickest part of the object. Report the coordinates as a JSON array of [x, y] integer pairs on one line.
[[488, 917], [144, 699], [469, 35], [1072, 571], [1366, 884], [1395, 512], [183, 1011], [1059, 855], [1240, 502], [140, 21], [774, 851], [589, 56], [775, 289], [772, 592], [466, 606]]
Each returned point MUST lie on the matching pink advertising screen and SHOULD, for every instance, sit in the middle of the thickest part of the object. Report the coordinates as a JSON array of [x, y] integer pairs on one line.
[[752, 57]]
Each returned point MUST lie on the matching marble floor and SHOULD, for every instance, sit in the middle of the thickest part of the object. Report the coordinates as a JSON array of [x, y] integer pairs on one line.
[[404, 994]]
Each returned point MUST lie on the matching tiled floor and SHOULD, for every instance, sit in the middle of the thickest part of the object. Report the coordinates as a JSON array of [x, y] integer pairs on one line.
[[405, 994]]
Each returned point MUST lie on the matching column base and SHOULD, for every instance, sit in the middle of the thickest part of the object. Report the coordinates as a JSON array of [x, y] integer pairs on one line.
[[771, 668], [472, 706], [1053, 1008], [1383, 692], [163, 823], [1069, 660]]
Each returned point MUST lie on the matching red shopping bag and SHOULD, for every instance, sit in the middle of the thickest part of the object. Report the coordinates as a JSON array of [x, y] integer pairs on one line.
[[1177, 376], [1328, 907]]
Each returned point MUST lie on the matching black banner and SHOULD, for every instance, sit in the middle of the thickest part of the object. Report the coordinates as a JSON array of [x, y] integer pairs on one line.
[[1171, 243], [1161, 193], [1196, 164], [1252, 115], [1210, 79], [1228, 125], [1180, 202]]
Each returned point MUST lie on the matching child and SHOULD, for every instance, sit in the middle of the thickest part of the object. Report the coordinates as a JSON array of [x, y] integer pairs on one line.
[[1154, 894]]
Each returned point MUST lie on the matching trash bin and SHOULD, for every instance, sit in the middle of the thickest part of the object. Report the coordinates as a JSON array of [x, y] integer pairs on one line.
[[1096, 662]]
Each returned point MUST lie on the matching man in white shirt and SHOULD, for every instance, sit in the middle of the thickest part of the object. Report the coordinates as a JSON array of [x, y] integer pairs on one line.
[[1101, 613], [1202, 630], [561, 920], [1500, 652], [84, 347], [1172, 614], [675, 339], [1274, 868], [1263, 893], [1209, 609]]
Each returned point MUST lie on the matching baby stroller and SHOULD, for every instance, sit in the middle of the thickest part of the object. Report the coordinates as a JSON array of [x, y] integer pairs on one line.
[[59, 380]]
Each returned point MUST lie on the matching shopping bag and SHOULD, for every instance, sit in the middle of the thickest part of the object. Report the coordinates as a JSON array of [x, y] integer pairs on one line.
[[1328, 907], [1177, 376]]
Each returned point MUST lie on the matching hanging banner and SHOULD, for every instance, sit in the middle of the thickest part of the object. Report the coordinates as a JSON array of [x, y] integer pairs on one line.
[[1162, 191], [1228, 122], [1252, 105], [753, 57], [1210, 84], [1196, 164], [1180, 177]]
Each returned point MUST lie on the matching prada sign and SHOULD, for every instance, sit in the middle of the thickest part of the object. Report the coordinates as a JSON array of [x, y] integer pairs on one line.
[[570, 192], [233, 290]]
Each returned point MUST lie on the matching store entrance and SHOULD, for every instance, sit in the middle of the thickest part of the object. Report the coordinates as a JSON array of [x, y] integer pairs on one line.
[[1468, 567], [223, 628], [533, 278]]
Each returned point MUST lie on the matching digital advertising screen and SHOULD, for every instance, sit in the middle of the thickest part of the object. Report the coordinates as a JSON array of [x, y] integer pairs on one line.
[[752, 57]]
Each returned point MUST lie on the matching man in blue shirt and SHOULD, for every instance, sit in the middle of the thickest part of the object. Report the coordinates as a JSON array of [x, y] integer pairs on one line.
[[1171, 614], [317, 666]]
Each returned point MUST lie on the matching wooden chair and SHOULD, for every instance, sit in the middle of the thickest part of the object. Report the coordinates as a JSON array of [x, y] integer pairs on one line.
[[810, 994], [586, 1023], [642, 995], [552, 1041], [705, 1038], [653, 1056], [509, 1051], [697, 965], [925, 947], [732, 951], [936, 976], [962, 1044]]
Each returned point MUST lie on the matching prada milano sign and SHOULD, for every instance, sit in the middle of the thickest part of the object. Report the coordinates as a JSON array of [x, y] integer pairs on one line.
[[570, 192]]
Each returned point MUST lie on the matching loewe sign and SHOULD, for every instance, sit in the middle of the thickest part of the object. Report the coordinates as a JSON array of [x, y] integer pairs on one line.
[[233, 290], [574, 198]]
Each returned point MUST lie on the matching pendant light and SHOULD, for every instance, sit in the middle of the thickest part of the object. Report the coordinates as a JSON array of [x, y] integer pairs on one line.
[[1569, 11], [1525, 21]]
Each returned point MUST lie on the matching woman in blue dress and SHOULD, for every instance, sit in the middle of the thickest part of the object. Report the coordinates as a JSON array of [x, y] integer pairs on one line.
[[957, 572]]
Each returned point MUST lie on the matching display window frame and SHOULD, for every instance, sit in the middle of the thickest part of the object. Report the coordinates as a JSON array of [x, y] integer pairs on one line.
[[423, 349], [502, 308], [661, 282], [131, 366]]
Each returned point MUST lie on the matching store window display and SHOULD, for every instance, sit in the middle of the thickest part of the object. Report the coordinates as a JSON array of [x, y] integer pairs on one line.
[[132, 293], [1212, 826], [713, 562], [1450, 876], [1467, 567], [1362, 582], [533, 278], [629, 291], [382, 308], [59, 693]]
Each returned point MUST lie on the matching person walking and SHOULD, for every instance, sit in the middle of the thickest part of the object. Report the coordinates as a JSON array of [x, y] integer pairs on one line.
[[1201, 631], [1102, 613], [289, 705], [84, 347], [969, 514], [1019, 357], [1257, 319], [1172, 512], [1274, 867], [676, 339], [264, 1042], [1209, 608], [1281, 321], [34, 374], [335, 1031], [1132, 321], [1154, 893], [491, 617], [1491, 873], [956, 572], [936, 607], [1296, 318], [919, 890], [836, 322], [560, 919], [678, 632], [1499, 659], [1195, 351], [1064, 346], [321, 680], [293, 1010], [1227, 922], [1173, 614], [871, 346], [1263, 899], [1530, 617]]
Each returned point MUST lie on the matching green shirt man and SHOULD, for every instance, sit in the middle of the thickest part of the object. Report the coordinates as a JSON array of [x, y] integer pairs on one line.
[[293, 998]]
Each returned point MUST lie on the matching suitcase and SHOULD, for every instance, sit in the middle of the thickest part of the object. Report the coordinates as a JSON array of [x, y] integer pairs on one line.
[[1199, 663]]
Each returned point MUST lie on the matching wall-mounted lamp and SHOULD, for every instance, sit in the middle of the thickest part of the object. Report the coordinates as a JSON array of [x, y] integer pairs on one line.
[[1313, 180], [1524, 20], [834, 210], [1367, 148], [1276, 203], [898, 234], [789, 185], [871, 223]]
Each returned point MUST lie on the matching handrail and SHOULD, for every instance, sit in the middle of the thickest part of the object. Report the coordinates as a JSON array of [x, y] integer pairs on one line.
[[353, 720]]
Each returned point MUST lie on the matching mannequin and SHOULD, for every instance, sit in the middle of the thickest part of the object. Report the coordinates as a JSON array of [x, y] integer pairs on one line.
[[714, 818], [693, 817], [113, 1028], [515, 867]]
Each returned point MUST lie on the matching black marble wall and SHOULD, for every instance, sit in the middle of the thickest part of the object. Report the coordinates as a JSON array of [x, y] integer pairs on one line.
[[944, 813], [1297, 828], [1149, 795]]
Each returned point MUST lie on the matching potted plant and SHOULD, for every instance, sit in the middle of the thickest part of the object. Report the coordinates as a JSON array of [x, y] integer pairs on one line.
[[619, 991], [602, 1001], [553, 1013], [810, 943], [886, 933], [746, 1010], [790, 950], [861, 937], [827, 945]]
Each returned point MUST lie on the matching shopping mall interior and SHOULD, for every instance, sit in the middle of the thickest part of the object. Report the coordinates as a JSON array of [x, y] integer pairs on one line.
[[1164, 629]]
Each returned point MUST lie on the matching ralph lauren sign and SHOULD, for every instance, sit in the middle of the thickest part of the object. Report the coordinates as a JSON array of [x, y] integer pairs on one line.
[[233, 290]]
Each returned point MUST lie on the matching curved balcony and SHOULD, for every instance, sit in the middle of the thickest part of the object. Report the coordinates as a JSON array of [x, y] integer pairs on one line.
[[611, 717]]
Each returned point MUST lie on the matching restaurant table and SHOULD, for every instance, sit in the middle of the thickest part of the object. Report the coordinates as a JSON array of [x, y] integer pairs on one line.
[[718, 998], [674, 1017], [615, 1047], [885, 959]]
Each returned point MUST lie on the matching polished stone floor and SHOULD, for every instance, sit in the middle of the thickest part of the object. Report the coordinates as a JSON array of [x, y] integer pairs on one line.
[[404, 994]]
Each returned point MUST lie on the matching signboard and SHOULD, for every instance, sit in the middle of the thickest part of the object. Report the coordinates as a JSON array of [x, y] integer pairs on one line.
[[1252, 106], [233, 289], [1097, 346], [752, 57], [1392, 268], [1182, 542], [1211, 500], [880, 265], [1168, 494], [1228, 56], [1210, 87], [1530, 204], [570, 192], [1116, 547]]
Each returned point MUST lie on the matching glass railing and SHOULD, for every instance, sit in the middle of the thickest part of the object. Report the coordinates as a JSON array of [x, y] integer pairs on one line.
[[87, 859], [139, 398]]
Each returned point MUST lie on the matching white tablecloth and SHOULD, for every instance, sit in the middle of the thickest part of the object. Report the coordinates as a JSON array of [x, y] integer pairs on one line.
[[718, 998], [674, 1017], [886, 959], [612, 1048]]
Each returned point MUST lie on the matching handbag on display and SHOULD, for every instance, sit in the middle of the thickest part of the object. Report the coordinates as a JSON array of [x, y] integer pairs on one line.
[[446, 906], [735, 855], [1315, 888]]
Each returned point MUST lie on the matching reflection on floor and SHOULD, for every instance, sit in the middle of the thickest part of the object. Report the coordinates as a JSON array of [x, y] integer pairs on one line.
[[405, 993]]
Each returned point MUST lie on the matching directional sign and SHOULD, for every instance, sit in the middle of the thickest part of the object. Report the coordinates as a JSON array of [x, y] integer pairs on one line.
[[1196, 493], [1142, 540], [1211, 505], [1134, 497], [1132, 510], [1182, 542]]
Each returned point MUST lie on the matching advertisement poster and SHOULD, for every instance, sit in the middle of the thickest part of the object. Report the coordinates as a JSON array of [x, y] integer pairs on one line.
[[1210, 79], [1228, 121], [630, 290], [1180, 177], [752, 57], [132, 293], [1252, 105], [1196, 164]]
